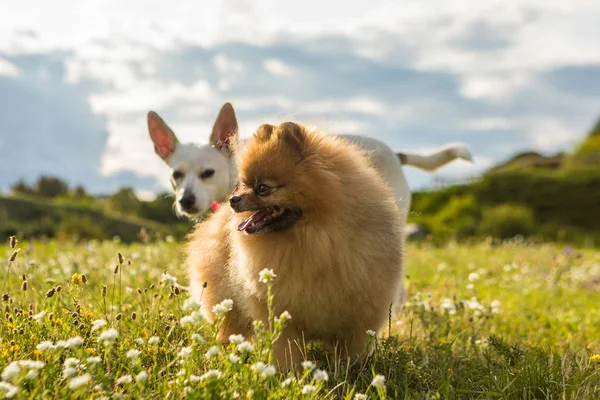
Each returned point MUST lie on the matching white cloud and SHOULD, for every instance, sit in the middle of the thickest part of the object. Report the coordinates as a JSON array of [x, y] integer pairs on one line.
[[488, 123], [278, 68], [8, 69], [493, 88], [550, 134]]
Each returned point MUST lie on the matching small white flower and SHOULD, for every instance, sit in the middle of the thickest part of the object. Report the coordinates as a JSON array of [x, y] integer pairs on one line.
[[309, 389], [245, 347], [473, 276], [11, 371], [168, 279], [194, 378], [194, 318], [141, 377], [196, 337], [93, 360], [108, 337], [74, 342], [258, 367], [266, 275], [268, 371], [212, 352], [309, 365], [212, 374], [31, 364], [236, 339], [234, 359], [360, 396], [284, 317], [125, 379], [372, 333], [62, 344], [9, 390], [45, 345], [378, 381], [320, 375], [79, 382], [99, 323], [185, 353], [223, 307], [139, 341], [191, 305], [39, 316], [133, 354], [288, 382], [71, 362], [154, 340], [69, 372], [470, 286]]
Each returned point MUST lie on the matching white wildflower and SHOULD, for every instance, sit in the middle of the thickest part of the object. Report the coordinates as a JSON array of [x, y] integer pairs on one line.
[[133, 354], [212, 374], [223, 307], [234, 359], [378, 381], [309, 389], [32, 375], [71, 362], [266, 275], [69, 372], [360, 396], [470, 286], [108, 337], [93, 360], [191, 305], [196, 337], [192, 319], [185, 353], [168, 279], [139, 341], [11, 371], [268, 371], [320, 375], [9, 390], [45, 345], [97, 324], [32, 364], [39, 316], [213, 351], [245, 347], [141, 377], [288, 382], [194, 378], [79, 382], [309, 365], [154, 340], [125, 379], [284, 317], [473, 276], [371, 333], [258, 367], [74, 342], [236, 339]]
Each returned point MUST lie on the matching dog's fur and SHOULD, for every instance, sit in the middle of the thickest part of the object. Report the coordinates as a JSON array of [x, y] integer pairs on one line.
[[201, 175], [337, 254]]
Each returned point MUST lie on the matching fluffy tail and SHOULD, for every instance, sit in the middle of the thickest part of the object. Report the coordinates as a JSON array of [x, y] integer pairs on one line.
[[439, 158]]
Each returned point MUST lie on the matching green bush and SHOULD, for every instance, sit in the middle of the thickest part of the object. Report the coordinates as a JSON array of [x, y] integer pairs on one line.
[[507, 221], [76, 228]]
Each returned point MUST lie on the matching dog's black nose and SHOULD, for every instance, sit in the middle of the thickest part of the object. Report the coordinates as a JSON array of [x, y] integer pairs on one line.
[[234, 200], [187, 201]]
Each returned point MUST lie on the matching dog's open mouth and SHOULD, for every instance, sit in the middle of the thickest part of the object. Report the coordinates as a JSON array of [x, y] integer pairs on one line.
[[269, 219]]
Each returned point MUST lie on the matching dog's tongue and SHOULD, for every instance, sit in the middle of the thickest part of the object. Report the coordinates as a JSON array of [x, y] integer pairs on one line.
[[254, 219]]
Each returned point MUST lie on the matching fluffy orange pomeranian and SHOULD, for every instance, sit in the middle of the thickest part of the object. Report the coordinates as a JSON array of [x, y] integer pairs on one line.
[[310, 207]]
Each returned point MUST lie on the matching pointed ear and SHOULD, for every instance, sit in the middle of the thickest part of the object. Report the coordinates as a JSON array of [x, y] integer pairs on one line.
[[162, 136], [294, 136], [225, 129]]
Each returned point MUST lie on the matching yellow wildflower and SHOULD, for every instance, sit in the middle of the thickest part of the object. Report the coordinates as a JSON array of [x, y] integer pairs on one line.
[[76, 279], [595, 358]]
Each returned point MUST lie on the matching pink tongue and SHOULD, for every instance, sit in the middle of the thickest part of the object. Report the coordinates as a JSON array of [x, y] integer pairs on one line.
[[254, 218]]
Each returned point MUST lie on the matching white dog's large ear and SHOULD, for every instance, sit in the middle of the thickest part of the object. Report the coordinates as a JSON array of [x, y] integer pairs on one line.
[[162, 136], [225, 129]]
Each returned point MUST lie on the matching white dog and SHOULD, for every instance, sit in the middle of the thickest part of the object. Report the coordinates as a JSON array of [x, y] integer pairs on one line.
[[203, 174]]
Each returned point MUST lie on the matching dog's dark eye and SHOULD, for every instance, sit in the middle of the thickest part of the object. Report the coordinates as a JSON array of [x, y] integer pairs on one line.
[[207, 173], [177, 175], [263, 189]]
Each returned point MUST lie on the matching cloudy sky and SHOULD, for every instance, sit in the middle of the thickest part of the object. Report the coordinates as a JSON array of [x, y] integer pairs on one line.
[[78, 77]]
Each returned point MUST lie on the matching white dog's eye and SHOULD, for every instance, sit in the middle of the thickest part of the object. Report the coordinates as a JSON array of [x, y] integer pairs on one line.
[[207, 173], [177, 175]]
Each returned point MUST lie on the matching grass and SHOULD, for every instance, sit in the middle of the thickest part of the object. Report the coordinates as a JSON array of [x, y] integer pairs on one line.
[[481, 321]]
